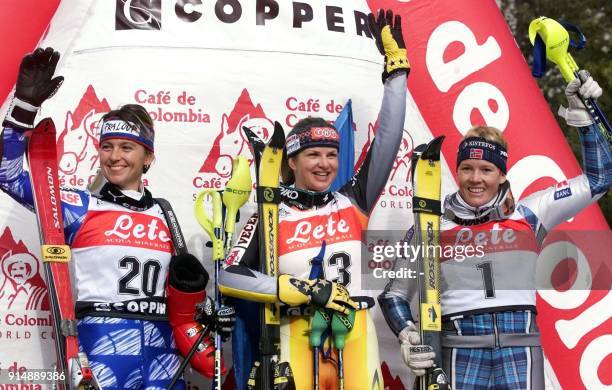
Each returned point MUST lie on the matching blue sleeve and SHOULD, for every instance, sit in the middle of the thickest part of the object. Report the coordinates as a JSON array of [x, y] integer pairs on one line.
[[596, 159], [74, 209], [14, 180], [396, 311]]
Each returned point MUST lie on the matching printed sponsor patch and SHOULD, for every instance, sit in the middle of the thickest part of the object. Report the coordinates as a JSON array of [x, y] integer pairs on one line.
[[476, 154], [293, 144], [562, 190], [124, 229], [324, 133], [117, 126], [70, 197]]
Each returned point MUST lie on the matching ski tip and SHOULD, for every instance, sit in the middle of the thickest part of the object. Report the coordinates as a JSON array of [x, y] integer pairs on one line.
[[278, 137], [432, 152], [252, 137], [46, 125]]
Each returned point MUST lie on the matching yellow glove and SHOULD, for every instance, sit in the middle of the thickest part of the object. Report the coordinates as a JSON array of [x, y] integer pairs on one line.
[[387, 32], [320, 292]]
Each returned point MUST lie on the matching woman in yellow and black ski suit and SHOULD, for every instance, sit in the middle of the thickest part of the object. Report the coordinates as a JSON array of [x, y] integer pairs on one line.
[[310, 215]]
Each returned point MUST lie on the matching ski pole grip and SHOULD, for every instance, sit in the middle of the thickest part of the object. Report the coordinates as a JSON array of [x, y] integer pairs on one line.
[[237, 191], [341, 326], [319, 322], [556, 42], [211, 226]]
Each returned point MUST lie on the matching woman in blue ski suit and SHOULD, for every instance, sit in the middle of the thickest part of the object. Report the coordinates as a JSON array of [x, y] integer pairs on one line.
[[135, 295]]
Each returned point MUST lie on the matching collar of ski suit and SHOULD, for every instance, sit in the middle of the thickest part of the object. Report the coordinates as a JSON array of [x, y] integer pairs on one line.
[[111, 193], [304, 199], [499, 208]]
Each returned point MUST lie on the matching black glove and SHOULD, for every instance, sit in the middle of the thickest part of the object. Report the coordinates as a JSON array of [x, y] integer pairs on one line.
[[387, 32], [221, 322], [34, 85]]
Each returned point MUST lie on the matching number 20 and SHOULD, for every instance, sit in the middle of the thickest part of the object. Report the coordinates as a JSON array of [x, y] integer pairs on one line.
[[149, 278]]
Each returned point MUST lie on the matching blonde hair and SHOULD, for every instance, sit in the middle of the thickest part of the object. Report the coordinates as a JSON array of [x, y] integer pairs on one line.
[[489, 133]]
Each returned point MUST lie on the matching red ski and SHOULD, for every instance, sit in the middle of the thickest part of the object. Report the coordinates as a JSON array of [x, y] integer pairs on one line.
[[42, 160]]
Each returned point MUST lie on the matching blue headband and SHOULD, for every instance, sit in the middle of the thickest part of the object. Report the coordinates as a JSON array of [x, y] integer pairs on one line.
[[476, 148], [118, 128]]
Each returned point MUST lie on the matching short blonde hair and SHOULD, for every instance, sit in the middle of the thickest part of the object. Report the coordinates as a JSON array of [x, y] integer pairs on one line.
[[489, 133]]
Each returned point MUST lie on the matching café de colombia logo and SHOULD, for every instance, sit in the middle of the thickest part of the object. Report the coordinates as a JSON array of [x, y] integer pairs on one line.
[[147, 14]]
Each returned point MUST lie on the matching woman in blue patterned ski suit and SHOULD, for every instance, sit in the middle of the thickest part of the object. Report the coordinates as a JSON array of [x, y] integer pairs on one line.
[[490, 338], [122, 248]]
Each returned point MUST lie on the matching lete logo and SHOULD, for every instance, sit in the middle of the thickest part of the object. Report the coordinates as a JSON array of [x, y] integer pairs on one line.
[[305, 230], [125, 228]]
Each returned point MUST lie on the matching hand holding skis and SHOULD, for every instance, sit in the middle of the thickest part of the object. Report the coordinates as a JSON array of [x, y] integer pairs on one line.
[[35, 84], [578, 90], [387, 31], [418, 357]]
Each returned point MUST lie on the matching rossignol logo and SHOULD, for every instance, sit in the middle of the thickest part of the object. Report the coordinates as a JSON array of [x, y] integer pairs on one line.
[[147, 14], [432, 314], [53, 197], [271, 242], [138, 14], [268, 194], [431, 259]]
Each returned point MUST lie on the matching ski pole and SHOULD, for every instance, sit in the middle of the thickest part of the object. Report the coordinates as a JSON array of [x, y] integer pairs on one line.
[[341, 325], [319, 322], [214, 229], [185, 361], [320, 319], [235, 195], [551, 38]]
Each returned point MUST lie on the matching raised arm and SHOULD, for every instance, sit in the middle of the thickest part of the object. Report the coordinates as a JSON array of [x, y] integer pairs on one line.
[[366, 188], [35, 84], [547, 208]]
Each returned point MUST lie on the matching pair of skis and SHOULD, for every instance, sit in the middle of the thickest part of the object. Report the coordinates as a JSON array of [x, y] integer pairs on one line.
[[269, 373], [72, 365], [426, 181], [221, 232]]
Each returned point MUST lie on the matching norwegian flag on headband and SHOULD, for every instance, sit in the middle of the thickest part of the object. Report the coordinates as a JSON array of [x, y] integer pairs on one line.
[[476, 154]]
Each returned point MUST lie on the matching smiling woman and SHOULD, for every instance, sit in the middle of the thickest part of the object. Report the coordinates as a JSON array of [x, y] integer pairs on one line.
[[311, 159], [481, 165], [126, 146], [122, 249]]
